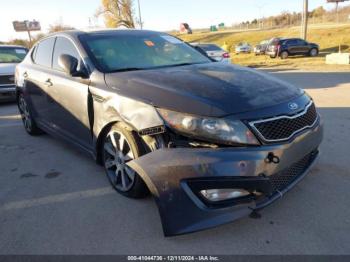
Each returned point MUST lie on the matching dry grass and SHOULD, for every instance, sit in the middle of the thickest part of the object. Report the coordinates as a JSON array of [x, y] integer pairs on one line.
[[329, 38]]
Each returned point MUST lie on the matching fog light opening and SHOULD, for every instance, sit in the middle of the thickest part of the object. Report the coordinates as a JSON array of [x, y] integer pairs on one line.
[[216, 195]]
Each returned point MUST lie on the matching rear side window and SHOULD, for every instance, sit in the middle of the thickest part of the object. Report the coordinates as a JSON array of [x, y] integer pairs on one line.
[[43, 52], [63, 46], [301, 42], [292, 42]]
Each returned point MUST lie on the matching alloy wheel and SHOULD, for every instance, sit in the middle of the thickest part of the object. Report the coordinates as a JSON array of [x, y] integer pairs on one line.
[[313, 52], [117, 153], [23, 108]]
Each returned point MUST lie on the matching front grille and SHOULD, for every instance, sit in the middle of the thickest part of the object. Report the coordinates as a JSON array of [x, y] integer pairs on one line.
[[284, 127], [282, 179], [6, 80]]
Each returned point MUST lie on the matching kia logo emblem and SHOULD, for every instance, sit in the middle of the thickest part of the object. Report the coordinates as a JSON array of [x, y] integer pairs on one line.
[[293, 106]]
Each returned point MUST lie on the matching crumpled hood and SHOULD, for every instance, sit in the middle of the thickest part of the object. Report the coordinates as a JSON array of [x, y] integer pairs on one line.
[[212, 89], [7, 68]]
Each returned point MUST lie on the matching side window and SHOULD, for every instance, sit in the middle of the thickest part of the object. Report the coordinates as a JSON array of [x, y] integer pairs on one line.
[[301, 42], [292, 42], [66, 47], [43, 52]]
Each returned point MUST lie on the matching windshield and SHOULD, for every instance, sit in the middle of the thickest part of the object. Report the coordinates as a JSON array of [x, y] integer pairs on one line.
[[112, 53], [12, 54]]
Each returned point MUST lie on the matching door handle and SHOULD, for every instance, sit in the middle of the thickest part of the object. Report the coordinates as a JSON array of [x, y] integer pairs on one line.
[[25, 74], [48, 82]]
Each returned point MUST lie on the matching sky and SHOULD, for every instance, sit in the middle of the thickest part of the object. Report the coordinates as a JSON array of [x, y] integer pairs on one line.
[[162, 15]]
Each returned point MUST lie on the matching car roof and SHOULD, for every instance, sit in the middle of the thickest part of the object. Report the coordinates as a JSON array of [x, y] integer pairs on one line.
[[76, 33], [286, 38], [13, 46]]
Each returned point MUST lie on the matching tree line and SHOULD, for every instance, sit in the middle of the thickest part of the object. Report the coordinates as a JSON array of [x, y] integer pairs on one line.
[[285, 19]]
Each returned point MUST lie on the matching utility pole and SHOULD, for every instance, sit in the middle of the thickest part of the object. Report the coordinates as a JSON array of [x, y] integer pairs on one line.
[[305, 19], [336, 10], [140, 18]]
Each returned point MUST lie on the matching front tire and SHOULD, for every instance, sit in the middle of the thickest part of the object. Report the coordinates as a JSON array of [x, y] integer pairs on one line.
[[119, 147], [313, 52], [27, 117]]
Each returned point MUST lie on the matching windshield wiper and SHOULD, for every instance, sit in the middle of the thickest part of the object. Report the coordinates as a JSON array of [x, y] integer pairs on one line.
[[127, 69], [183, 64], [175, 65]]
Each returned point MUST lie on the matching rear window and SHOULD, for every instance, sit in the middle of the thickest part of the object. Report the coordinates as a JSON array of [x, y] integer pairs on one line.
[[209, 47], [12, 54]]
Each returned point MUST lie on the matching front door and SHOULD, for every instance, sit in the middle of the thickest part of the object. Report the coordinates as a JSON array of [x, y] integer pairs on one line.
[[69, 98]]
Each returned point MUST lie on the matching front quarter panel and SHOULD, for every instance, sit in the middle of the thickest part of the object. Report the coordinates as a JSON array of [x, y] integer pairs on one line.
[[110, 107]]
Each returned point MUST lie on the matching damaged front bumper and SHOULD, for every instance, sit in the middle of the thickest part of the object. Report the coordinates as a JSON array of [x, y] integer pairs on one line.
[[176, 176]]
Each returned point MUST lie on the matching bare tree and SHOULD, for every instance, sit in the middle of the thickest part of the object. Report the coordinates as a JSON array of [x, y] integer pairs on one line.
[[59, 27], [117, 13]]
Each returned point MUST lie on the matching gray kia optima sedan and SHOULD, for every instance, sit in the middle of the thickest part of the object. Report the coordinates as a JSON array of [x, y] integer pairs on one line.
[[212, 142]]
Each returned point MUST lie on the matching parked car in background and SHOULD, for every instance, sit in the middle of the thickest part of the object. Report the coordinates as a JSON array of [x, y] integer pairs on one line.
[[213, 51], [260, 48], [243, 48], [212, 142], [10, 56], [285, 47]]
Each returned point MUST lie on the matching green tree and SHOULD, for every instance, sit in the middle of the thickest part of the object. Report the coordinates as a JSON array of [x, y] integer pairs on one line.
[[117, 13]]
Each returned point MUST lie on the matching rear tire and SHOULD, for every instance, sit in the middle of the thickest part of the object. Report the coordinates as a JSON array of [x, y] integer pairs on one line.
[[284, 55], [119, 147], [27, 117]]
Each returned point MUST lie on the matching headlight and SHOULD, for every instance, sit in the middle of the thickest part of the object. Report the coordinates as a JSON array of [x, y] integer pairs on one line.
[[216, 130]]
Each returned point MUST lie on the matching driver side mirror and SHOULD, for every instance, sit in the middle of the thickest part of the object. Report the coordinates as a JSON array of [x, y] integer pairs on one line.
[[69, 64]]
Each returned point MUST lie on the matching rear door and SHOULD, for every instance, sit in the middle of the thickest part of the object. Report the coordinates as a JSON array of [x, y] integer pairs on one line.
[[36, 76], [303, 46], [292, 45], [69, 97]]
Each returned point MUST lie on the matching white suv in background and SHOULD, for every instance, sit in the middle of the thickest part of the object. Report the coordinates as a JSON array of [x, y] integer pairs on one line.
[[243, 48], [10, 56]]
